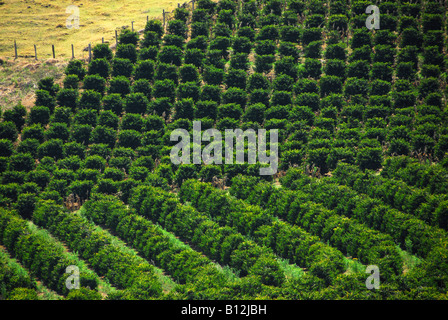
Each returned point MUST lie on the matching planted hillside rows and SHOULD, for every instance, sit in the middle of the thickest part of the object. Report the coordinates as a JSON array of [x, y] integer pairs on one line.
[[122, 269], [191, 268], [16, 281], [362, 159], [232, 248], [401, 226], [292, 243], [43, 256], [351, 237]]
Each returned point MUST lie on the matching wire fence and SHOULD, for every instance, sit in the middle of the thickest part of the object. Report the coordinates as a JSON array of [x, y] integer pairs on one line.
[[164, 18]]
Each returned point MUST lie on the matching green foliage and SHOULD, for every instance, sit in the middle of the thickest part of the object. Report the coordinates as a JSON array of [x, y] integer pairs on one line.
[[21, 162], [51, 148], [184, 172], [148, 53], [122, 67], [235, 78], [142, 86], [66, 98], [188, 73], [235, 95], [136, 103], [39, 115], [213, 75], [114, 103], [25, 205], [45, 99], [330, 84], [17, 115], [109, 119], [151, 39], [84, 294], [102, 51], [160, 106], [172, 40], [369, 158], [154, 26], [352, 123], [164, 88], [71, 81], [129, 139], [100, 67], [188, 90], [90, 99], [95, 82], [184, 109], [286, 66], [128, 37], [6, 148], [177, 27], [126, 51], [23, 294], [336, 51], [103, 134], [194, 56], [75, 67], [119, 85], [170, 55], [86, 117], [98, 249]]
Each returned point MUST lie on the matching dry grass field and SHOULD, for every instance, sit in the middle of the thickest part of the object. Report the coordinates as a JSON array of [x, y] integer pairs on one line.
[[43, 23]]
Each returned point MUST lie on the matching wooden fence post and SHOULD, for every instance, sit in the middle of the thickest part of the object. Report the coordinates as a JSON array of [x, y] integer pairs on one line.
[[52, 49], [132, 26], [90, 52], [35, 52], [116, 38], [102, 40], [73, 53], [15, 49]]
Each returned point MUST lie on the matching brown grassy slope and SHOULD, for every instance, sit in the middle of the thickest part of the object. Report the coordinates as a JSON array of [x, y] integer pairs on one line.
[[43, 23]]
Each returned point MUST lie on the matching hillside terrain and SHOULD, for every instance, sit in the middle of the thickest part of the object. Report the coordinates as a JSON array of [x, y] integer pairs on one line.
[[342, 192]]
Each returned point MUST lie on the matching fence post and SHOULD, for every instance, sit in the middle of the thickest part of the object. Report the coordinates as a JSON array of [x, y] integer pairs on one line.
[[102, 40], [35, 52], [116, 38], [52, 49], [132, 24], [73, 53], [90, 52], [147, 18], [15, 49]]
